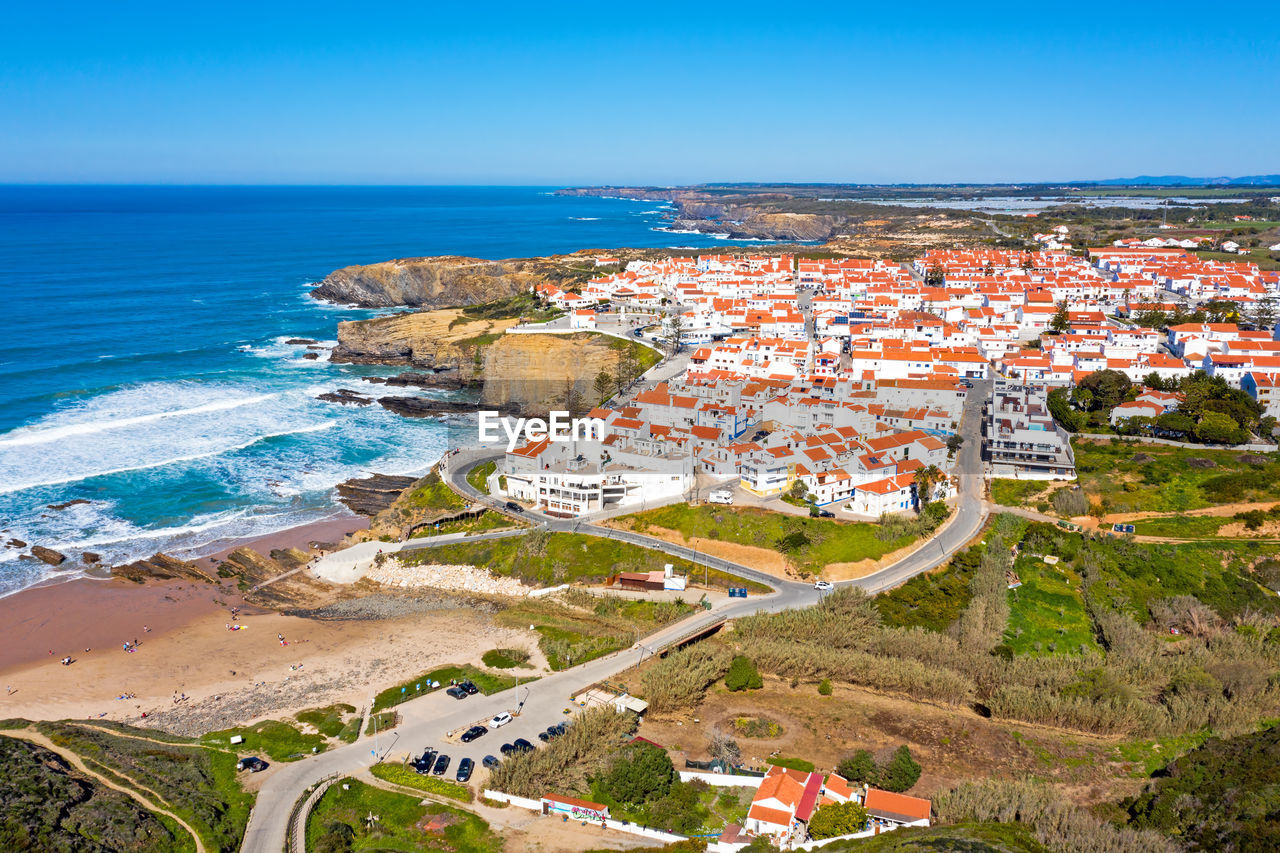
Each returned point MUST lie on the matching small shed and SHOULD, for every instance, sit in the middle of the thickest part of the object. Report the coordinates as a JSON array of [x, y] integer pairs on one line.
[[574, 808]]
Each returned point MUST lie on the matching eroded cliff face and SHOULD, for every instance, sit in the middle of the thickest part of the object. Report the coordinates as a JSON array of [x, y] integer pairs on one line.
[[429, 282], [532, 372]]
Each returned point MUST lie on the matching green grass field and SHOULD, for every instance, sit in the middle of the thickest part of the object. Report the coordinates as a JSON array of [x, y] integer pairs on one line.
[[1133, 477], [431, 493], [478, 476], [1015, 492], [280, 741], [808, 543], [401, 823], [1047, 613], [488, 682], [400, 775], [1183, 526], [506, 658], [549, 559], [336, 721]]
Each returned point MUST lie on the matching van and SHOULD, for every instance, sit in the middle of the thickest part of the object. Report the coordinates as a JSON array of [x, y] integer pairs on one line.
[[720, 496]]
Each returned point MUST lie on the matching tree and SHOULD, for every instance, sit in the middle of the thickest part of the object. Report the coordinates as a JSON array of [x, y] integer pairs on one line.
[[338, 838], [1104, 390], [759, 844], [1217, 428], [859, 767], [571, 398], [743, 675], [638, 774], [901, 772], [604, 385], [798, 490], [1263, 315], [935, 277], [1071, 420], [925, 479], [1061, 320], [675, 325], [838, 819], [954, 441], [628, 369]]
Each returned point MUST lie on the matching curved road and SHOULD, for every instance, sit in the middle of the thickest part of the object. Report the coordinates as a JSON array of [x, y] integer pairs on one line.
[[425, 721]]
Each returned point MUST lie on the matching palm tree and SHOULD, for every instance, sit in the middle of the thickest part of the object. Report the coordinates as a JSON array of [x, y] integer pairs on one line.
[[924, 482]]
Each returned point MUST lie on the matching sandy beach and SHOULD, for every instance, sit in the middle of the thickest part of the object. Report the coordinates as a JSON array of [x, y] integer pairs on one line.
[[228, 676]]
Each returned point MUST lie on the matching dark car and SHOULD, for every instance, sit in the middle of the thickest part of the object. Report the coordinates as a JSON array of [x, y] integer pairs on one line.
[[559, 729], [473, 733], [826, 513], [523, 745], [252, 763], [491, 761], [639, 333], [545, 736], [514, 507], [442, 764], [470, 688], [457, 692], [425, 762], [507, 749], [465, 766]]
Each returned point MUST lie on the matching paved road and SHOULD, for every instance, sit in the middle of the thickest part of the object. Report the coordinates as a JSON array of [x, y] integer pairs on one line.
[[427, 720]]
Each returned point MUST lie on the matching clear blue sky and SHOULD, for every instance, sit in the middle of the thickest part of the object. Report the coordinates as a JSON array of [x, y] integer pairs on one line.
[[558, 93]]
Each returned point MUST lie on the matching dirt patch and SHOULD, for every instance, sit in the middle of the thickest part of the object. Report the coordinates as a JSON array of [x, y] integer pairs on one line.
[[1198, 462], [952, 744], [1140, 458], [1253, 459]]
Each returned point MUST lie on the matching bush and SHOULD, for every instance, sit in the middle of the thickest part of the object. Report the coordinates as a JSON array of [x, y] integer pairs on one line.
[[901, 772], [838, 819], [506, 658], [639, 773], [1070, 503], [681, 678], [859, 767], [564, 764], [824, 687], [743, 675]]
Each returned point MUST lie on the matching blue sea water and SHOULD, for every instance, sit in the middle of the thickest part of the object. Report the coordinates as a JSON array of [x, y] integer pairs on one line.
[[143, 363]]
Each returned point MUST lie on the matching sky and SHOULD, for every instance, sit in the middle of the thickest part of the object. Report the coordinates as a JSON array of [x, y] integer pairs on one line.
[[633, 93]]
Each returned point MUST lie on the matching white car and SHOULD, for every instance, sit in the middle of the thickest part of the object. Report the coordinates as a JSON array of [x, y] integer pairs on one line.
[[500, 720], [824, 586]]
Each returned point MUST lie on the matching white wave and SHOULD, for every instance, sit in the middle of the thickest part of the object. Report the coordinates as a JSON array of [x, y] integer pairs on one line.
[[9, 488], [585, 218], [25, 436]]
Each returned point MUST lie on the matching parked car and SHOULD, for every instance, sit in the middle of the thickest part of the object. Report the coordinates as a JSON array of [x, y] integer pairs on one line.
[[473, 733], [500, 719], [720, 496], [545, 736], [514, 507], [457, 692], [425, 762], [442, 764], [252, 763], [523, 745], [465, 766], [824, 586], [490, 761], [507, 749], [470, 688]]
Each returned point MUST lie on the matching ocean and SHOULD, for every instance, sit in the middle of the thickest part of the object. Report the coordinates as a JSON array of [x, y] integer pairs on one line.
[[144, 369]]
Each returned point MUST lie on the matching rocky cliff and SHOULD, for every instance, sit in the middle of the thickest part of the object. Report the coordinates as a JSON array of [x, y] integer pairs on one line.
[[445, 344], [532, 372], [428, 282]]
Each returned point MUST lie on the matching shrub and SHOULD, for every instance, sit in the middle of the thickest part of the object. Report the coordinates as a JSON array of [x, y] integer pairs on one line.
[[901, 772], [824, 687], [399, 775], [743, 675], [838, 819], [506, 658], [681, 678], [1070, 503], [639, 773], [859, 767]]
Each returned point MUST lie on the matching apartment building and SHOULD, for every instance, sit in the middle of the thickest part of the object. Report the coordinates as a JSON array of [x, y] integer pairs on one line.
[[1022, 439]]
